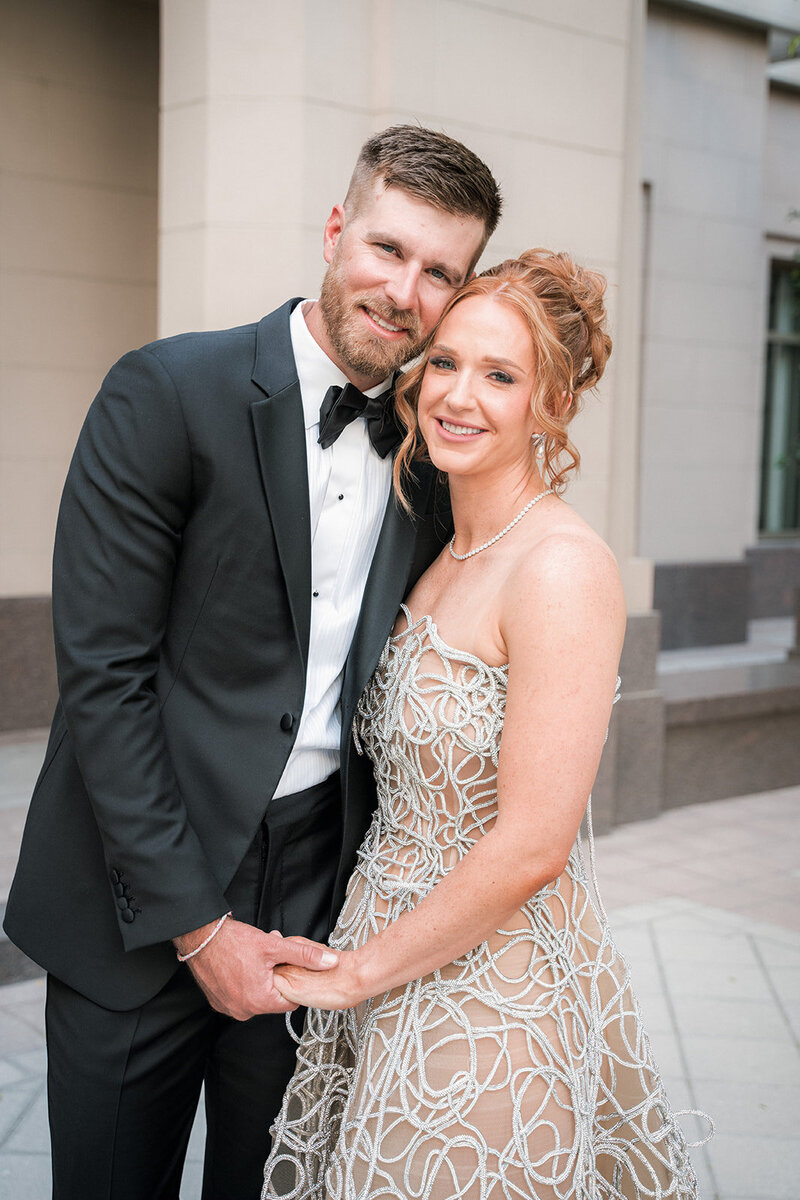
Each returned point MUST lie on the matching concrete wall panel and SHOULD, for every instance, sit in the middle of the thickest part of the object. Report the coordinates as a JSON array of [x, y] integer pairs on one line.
[[703, 148]]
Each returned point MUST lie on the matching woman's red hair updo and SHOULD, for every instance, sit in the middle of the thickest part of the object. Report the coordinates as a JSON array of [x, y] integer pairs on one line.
[[562, 305]]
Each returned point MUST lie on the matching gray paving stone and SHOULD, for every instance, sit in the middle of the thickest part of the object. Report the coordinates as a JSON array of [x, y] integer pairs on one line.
[[649, 910], [32, 1062], [679, 1093], [752, 1166], [786, 981], [192, 1180], [734, 982], [20, 993], [16, 1036], [706, 1182], [29, 1009], [197, 1138], [714, 1016], [742, 1060], [31, 1135], [696, 941], [635, 942], [656, 1013], [763, 1110], [9, 1072], [15, 1101], [776, 954], [26, 1177]]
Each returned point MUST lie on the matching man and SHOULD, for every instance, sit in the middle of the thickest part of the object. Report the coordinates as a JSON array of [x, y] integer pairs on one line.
[[229, 562]]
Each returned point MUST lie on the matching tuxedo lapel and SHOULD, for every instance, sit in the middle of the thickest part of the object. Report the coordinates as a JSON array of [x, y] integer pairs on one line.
[[386, 586], [281, 444]]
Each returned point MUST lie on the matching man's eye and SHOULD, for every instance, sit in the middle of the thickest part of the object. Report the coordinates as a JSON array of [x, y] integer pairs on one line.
[[446, 364], [439, 276], [385, 246]]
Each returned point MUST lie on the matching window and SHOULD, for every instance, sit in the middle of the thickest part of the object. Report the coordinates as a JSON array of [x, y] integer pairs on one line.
[[780, 464]]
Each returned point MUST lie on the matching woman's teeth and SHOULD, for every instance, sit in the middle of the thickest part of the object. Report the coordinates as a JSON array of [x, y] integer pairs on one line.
[[461, 430]]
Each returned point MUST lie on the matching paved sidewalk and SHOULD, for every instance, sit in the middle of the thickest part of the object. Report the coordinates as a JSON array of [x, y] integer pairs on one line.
[[705, 902]]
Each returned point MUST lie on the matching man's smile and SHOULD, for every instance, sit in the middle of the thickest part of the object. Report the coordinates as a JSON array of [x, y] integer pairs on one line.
[[382, 322]]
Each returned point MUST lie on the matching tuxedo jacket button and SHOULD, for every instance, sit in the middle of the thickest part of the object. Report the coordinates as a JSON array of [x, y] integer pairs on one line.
[[128, 915], [114, 876], [287, 721], [122, 902], [119, 889]]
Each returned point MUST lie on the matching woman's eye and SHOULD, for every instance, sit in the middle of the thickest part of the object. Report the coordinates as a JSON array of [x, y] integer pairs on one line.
[[446, 364], [501, 377]]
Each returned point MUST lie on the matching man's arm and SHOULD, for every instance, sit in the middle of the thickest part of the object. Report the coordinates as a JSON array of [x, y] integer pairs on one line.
[[127, 498]]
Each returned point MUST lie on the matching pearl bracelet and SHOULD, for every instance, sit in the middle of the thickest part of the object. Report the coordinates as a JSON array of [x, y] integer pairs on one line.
[[202, 946]]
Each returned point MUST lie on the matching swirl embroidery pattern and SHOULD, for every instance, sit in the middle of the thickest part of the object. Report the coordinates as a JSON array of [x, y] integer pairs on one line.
[[518, 1072]]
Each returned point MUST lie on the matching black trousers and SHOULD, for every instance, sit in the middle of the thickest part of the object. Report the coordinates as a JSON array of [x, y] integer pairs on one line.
[[123, 1087]]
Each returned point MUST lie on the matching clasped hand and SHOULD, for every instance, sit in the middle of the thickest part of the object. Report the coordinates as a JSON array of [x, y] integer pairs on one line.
[[237, 970], [340, 987]]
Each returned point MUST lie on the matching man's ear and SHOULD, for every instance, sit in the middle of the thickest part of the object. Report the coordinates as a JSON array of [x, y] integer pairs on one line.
[[334, 227]]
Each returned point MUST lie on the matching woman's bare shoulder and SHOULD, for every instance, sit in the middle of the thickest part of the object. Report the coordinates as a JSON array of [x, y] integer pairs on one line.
[[565, 570]]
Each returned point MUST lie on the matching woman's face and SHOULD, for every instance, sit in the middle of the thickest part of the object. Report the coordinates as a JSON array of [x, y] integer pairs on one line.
[[474, 402]]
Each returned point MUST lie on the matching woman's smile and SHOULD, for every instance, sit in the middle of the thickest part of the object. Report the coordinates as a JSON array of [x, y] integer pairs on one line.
[[459, 431]]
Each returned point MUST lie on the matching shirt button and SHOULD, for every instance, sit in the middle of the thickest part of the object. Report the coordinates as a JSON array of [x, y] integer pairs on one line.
[[315, 594], [341, 495]]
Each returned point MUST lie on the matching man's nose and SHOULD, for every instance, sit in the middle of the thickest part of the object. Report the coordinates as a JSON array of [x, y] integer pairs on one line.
[[402, 287]]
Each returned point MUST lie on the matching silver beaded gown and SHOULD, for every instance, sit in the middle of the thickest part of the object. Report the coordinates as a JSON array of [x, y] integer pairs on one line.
[[518, 1072]]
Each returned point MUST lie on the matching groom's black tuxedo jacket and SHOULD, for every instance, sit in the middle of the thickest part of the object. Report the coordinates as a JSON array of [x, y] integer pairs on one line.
[[182, 604]]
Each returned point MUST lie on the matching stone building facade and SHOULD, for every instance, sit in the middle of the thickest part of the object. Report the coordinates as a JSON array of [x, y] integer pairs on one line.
[[166, 167]]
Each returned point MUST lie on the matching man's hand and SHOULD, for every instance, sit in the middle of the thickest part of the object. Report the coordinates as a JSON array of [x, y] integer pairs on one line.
[[343, 987], [235, 968]]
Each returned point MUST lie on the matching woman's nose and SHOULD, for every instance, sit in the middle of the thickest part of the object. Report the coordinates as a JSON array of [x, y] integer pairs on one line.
[[459, 393]]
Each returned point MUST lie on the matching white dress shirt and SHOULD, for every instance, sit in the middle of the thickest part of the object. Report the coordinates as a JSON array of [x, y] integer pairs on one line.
[[348, 486]]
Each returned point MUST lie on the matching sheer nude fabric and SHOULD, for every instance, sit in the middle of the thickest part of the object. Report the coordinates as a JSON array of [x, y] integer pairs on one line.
[[520, 1071]]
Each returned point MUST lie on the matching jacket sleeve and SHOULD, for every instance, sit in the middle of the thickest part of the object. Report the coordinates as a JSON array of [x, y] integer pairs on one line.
[[127, 498]]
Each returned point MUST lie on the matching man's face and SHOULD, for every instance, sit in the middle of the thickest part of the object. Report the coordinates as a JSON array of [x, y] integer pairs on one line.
[[392, 267]]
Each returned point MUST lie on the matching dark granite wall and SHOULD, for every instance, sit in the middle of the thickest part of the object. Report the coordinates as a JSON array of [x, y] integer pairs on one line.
[[702, 603], [774, 578]]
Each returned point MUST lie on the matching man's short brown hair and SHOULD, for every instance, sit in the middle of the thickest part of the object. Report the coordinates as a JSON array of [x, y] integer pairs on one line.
[[434, 168]]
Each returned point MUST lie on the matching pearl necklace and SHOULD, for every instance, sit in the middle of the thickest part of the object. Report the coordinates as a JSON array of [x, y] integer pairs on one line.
[[502, 532]]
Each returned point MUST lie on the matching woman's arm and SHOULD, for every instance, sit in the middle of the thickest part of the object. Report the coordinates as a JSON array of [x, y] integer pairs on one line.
[[562, 619]]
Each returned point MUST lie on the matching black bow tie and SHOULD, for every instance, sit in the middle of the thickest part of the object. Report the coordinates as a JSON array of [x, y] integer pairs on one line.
[[343, 405]]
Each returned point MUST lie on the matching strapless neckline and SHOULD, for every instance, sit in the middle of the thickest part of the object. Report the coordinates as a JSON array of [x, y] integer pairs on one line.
[[438, 641]]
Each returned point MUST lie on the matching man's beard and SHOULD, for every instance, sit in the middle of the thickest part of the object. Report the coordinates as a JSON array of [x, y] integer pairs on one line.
[[356, 349]]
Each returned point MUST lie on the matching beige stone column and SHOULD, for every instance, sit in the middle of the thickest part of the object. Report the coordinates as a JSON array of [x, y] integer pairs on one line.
[[230, 160], [623, 478]]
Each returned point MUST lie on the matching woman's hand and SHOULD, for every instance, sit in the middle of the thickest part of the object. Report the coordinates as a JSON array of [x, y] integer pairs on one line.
[[340, 988]]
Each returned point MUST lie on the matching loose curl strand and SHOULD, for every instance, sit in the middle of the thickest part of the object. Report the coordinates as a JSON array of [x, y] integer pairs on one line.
[[562, 306]]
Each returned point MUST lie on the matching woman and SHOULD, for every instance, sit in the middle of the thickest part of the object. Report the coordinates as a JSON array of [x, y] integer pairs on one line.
[[479, 1037]]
